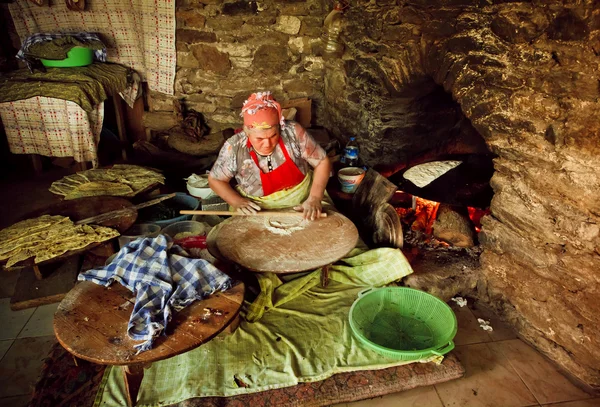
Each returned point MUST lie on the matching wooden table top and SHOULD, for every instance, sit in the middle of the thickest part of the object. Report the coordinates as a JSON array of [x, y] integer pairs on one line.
[[91, 323], [284, 244]]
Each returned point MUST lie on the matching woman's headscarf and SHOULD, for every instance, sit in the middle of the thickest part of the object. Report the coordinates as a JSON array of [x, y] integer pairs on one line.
[[261, 111]]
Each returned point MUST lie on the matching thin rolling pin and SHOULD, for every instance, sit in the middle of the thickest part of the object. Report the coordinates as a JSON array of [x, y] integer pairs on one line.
[[260, 213]]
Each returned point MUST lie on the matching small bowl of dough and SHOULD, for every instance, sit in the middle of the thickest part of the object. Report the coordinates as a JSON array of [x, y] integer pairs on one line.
[[197, 186], [188, 234]]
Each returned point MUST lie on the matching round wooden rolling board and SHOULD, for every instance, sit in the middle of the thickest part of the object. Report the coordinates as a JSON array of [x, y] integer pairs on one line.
[[307, 245], [91, 323]]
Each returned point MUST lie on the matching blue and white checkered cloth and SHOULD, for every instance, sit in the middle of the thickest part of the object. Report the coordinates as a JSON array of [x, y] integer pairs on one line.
[[99, 54], [162, 279]]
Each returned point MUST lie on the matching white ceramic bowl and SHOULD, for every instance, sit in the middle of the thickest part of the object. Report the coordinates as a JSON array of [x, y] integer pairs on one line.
[[201, 193], [197, 186]]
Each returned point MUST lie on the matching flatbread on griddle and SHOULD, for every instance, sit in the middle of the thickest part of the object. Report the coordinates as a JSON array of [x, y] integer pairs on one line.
[[423, 174]]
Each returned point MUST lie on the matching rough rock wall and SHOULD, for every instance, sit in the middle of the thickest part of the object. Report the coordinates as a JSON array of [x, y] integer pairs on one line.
[[526, 74], [229, 49]]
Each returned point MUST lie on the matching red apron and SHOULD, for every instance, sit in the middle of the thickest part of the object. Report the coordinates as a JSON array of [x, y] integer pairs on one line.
[[287, 175]]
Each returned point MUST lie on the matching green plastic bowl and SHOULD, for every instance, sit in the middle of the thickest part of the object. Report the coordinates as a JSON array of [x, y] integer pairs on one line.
[[77, 56], [403, 323]]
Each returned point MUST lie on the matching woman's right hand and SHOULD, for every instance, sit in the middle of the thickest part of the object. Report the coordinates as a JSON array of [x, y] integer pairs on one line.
[[247, 207]]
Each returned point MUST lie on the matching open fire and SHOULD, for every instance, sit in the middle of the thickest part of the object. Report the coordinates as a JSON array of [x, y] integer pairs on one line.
[[453, 227]]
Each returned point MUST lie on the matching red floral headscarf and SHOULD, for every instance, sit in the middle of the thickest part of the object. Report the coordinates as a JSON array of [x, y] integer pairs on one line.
[[261, 111]]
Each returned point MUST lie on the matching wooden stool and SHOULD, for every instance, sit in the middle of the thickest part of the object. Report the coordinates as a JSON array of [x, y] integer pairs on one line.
[[91, 323]]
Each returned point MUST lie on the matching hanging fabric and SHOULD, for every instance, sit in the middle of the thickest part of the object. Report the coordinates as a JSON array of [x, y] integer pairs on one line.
[[139, 34]]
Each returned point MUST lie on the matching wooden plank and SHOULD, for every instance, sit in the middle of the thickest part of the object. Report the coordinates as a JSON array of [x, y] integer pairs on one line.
[[82, 166], [119, 212], [134, 125], [133, 376], [37, 272], [31, 292], [120, 116], [36, 161], [282, 214]]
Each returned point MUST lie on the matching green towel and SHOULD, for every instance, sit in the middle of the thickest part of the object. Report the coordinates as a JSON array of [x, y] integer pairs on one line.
[[86, 85], [361, 267], [306, 338], [58, 47]]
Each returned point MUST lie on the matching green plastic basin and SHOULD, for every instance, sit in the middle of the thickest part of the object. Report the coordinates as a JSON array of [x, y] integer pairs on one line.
[[403, 323], [77, 56]]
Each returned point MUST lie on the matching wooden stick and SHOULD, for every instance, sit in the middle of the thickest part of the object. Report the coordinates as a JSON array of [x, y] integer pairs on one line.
[[259, 213], [120, 212]]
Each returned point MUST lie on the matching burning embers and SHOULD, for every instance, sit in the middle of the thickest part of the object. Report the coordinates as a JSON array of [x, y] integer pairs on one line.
[[420, 216], [429, 223]]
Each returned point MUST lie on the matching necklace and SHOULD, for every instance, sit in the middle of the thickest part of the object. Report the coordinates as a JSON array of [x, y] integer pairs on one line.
[[269, 163]]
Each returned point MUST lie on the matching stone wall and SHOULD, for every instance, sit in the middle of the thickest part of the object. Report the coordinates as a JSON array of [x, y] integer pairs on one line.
[[523, 74], [227, 50], [526, 76]]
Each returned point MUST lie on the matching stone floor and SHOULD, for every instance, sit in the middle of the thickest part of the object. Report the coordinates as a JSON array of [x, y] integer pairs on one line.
[[501, 370]]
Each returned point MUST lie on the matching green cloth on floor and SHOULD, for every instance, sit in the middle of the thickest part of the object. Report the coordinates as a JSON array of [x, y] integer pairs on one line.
[[307, 338], [86, 85], [58, 47], [360, 268]]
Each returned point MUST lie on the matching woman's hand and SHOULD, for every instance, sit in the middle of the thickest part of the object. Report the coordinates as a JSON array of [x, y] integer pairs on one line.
[[247, 207], [311, 208]]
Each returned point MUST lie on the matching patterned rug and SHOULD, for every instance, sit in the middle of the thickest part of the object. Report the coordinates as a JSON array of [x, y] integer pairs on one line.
[[66, 382]]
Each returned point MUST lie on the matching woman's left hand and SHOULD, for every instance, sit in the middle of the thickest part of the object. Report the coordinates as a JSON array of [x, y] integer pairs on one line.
[[311, 208]]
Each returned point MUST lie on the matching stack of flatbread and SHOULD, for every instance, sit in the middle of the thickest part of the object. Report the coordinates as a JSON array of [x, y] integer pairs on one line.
[[47, 237], [120, 180]]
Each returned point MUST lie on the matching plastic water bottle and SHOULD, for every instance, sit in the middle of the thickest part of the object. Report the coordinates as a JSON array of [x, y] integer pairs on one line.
[[351, 153]]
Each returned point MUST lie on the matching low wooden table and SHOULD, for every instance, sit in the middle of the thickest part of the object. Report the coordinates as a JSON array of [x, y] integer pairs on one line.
[[91, 323]]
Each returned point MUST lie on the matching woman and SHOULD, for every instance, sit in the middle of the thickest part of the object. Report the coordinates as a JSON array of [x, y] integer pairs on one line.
[[271, 161]]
